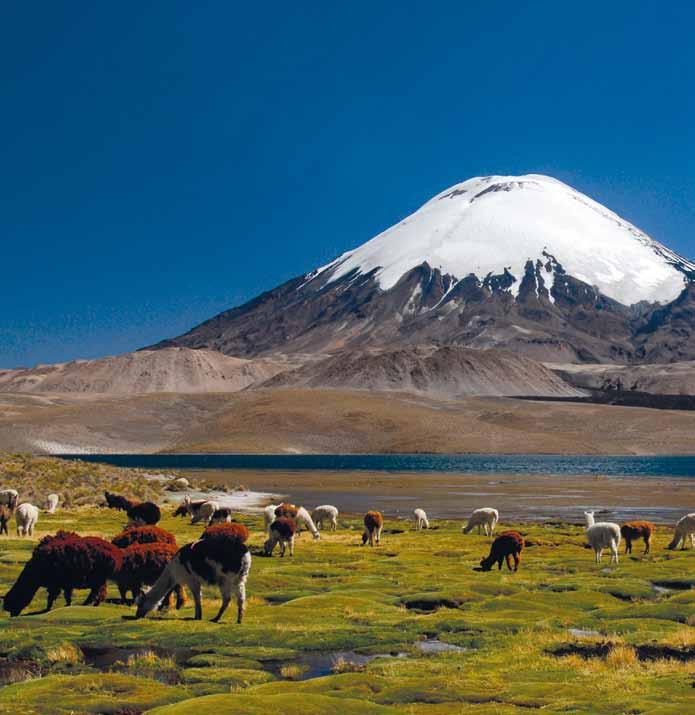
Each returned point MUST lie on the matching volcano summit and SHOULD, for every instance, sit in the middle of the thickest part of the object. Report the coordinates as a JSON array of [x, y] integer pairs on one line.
[[521, 262]]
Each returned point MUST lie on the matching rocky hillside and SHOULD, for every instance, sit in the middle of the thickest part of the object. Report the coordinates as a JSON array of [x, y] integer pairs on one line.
[[445, 372]]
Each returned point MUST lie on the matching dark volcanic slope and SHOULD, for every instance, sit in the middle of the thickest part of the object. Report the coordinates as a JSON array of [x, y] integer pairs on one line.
[[563, 321], [438, 372]]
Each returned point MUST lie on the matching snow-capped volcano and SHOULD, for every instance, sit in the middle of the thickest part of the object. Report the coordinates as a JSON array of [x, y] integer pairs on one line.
[[524, 263], [488, 224]]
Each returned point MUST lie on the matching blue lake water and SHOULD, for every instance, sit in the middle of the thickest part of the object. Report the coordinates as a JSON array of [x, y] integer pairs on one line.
[[623, 466]]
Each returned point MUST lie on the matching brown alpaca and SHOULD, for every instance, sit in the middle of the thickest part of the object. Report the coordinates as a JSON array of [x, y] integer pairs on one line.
[[286, 510], [6, 513], [508, 545], [373, 524], [634, 530]]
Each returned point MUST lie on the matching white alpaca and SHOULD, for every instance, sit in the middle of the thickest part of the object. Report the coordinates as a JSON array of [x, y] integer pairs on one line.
[[9, 497], [485, 517], [303, 517], [191, 570], [26, 517], [602, 535], [269, 516], [204, 512], [325, 513], [421, 519], [52, 503], [685, 527]]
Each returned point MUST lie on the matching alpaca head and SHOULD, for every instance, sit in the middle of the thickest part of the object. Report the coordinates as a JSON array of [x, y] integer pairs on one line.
[[486, 563], [142, 605], [365, 537], [317, 536], [589, 517], [24, 589]]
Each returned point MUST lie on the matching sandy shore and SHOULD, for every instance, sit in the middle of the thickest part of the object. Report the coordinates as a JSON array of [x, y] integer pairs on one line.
[[453, 496]]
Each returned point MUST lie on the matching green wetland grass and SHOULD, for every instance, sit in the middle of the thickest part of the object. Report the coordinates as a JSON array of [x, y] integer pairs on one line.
[[339, 629]]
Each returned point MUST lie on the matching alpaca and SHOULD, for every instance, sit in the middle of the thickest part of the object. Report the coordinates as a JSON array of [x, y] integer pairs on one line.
[[303, 517], [282, 531], [685, 527], [143, 535], [486, 518], [9, 497], [421, 521], [6, 513], [602, 535], [328, 513], [373, 524], [114, 501], [221, 515], [65, 562], [142, 565], [508, 545], [288, 510], [144, 513], [26, 516], [52, 503], [634, 530], [200, 510], [188, 507], [269, 516], [219, 557]]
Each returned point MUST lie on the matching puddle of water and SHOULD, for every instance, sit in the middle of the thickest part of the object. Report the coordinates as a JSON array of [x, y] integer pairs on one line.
[[582, 633], [317, 665], [17, 671], [434, 645], [671, 586]]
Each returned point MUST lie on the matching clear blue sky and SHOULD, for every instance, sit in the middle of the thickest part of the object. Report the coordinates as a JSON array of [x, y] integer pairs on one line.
[[163, 161]]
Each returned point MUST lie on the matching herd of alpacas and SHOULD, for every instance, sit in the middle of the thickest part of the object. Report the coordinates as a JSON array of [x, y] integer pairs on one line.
[[145, 560]]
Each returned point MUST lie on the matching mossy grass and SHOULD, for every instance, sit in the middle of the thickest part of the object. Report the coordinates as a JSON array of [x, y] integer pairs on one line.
[[336, 596]]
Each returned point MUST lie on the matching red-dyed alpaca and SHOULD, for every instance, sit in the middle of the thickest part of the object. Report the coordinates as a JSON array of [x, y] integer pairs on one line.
[[634, 530], [143, 535], [65, 562], [508, 545], [228, 530], [142, 565]]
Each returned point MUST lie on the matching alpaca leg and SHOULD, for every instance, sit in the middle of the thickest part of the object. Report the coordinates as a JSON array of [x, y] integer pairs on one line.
[[282, 547], [508, 559], [100, 594], [180, 596], [479, 531], [628, 546], [123, 591], [52, 595], [378, 535], [197, 591], [67, 594], [517, 561], [692, 540], [499, 563], [226, 598], [647, 544], [240, 600], [291, 545]]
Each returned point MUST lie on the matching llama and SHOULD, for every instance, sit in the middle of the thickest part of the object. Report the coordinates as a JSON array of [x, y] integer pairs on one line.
[[373, 524], [486, 518], [282, 531], [6, 513], [327, 513], [219, 557], [65, 562], [685, 527], [602, 535], [26, 516], [9, 497], [508, 545], [52, 501], [634, 530], [421, 521]]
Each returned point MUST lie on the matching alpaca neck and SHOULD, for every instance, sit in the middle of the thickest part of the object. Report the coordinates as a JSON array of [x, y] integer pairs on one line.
[[589, 520], [161, 588]]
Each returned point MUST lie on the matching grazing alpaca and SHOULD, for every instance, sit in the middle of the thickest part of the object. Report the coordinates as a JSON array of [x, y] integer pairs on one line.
[[325, 513], [52, 503], [142, 565], [188, 507], [6, 513], [200, 510], [282, 531], [145, 513], [508, 545], [221, 516], [219, 557], [373, 524], [143, 535], [26, 516], [421, 521], [486, 518], [303, 517], [114, 501], [9, 497], [634, 530], [602, 535], [685, 527], [65, 562]]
